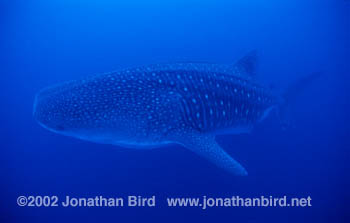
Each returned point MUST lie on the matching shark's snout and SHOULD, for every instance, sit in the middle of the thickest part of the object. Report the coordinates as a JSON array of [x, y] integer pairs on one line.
[[46, 113]]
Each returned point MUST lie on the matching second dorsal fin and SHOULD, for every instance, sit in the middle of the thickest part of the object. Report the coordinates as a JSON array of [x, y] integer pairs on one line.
[[247, 65]]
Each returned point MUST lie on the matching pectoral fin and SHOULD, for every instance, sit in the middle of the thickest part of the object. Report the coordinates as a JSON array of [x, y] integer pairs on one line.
[[207, 147]]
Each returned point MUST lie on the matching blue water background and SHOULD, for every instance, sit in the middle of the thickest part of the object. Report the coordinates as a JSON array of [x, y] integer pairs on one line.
[[46, 42]]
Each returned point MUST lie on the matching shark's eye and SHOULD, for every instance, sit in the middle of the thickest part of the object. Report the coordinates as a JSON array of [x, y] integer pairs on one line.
[[60, 127]]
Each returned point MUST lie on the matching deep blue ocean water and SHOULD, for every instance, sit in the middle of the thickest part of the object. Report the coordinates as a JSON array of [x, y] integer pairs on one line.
[[46, 42]]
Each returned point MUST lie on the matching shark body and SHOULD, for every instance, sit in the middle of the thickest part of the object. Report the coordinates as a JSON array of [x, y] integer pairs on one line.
[[147, 107]]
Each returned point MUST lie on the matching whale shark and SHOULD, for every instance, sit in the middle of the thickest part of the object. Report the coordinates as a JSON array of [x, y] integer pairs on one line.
[[151, 106]]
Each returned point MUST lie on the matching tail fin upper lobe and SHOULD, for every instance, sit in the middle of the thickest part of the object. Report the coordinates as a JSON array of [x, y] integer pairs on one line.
[[291, 95]]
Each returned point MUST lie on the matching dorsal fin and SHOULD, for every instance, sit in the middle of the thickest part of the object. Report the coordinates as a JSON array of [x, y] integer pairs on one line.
[[247, 65]]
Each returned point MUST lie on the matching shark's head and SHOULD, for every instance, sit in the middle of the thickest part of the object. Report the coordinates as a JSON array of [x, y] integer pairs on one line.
[[55, 111], [87, 109]]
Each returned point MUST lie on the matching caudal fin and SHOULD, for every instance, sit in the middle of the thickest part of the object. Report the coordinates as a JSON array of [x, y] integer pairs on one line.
[[292, 94]]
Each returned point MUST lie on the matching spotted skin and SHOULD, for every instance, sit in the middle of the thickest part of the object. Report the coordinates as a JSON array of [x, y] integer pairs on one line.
[[151, 106]]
